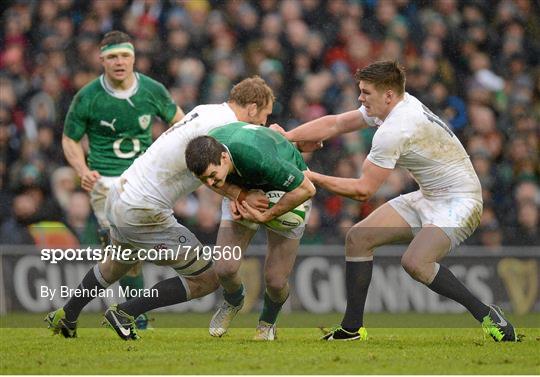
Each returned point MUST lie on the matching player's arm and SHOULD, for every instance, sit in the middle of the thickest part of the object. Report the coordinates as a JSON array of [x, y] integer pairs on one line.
[[255, 198], [362, 188], [289, 201], [75, 125], [74, 153], [326, 127], [178, 116]]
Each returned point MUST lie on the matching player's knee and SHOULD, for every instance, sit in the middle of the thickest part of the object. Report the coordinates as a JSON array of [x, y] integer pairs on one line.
[[135, 270], [414, 267], [358, 241], [203, 284], [275, 281], [226, 270], [111, 271]]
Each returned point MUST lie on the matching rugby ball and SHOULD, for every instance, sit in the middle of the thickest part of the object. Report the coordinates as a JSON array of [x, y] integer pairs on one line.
[[292, 219]]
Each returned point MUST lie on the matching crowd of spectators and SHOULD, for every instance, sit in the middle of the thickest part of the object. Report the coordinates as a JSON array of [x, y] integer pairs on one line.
[[474, 63]]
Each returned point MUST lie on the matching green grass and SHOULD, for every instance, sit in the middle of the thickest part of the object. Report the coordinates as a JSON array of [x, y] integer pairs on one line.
[[392, 348]]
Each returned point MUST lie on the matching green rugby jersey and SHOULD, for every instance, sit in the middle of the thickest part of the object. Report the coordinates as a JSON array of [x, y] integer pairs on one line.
[[263, 158], [119, 130]]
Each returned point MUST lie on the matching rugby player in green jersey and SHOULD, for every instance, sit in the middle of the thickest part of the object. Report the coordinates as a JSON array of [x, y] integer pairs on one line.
[[252, 157], [116, 112]]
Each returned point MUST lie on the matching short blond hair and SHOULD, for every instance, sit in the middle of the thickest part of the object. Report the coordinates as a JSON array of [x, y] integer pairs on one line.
[[252, 90]]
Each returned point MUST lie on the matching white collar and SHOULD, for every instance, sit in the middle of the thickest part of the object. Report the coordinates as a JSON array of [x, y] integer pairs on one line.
[[120, 94]]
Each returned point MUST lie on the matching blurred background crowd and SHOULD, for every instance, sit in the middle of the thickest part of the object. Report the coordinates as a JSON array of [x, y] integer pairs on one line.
[[474, 63]]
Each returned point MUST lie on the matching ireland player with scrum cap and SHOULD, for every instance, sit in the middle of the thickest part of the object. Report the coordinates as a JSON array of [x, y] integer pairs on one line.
[[116, 112]]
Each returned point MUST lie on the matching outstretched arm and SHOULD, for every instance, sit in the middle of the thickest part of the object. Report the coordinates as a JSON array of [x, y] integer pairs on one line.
[[361, 188], [326, 127]]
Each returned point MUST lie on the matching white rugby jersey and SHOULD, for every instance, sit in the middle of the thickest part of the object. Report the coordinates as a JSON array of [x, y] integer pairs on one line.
[[414, 138], [160, 176]]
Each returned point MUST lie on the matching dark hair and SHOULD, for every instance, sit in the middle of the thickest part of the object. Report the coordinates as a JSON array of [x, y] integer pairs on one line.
[[201, 152], [252, 90], [384, 75], [114, 37]]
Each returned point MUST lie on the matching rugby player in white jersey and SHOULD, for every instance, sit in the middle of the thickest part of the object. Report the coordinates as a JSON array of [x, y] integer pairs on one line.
[[436, 218], [139, 208]]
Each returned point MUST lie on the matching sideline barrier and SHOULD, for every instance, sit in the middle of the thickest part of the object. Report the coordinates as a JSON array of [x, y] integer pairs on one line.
[[509, 279]]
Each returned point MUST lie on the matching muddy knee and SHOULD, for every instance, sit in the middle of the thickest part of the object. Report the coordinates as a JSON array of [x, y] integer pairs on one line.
[[419, 270], [203, 284], [275, 282], [359, 242], [226, 270]]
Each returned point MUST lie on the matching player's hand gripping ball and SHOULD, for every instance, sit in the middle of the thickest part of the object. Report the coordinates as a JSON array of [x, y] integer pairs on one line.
[[289, 220]]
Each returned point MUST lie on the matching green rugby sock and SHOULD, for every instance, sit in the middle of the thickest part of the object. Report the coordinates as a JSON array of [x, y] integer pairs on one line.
[[270, 309], [236, 297], [132, 282]]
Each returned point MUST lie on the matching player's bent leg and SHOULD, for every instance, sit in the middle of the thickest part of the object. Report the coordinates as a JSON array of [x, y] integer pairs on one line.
[[113, 270], [133, 283], [122, 317], [420, 260], [97, 279], [278, 266], [203, 284], [430, 245], [230, 234], [383, 226]]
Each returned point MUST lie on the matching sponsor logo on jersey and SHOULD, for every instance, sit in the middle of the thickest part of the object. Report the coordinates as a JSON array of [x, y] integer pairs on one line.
[[289, 180], [160, 246], [107, 124], [144, 121]]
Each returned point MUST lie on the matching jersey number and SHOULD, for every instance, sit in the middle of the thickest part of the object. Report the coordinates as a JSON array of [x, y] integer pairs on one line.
[[183, 122], [436, 120]]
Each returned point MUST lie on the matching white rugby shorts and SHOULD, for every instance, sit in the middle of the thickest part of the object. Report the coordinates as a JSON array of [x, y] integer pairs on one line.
[[153, 228], [458, 217], [98, 197]]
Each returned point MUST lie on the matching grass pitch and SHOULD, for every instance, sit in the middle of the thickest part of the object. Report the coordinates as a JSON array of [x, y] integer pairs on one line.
[[431, 344]]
